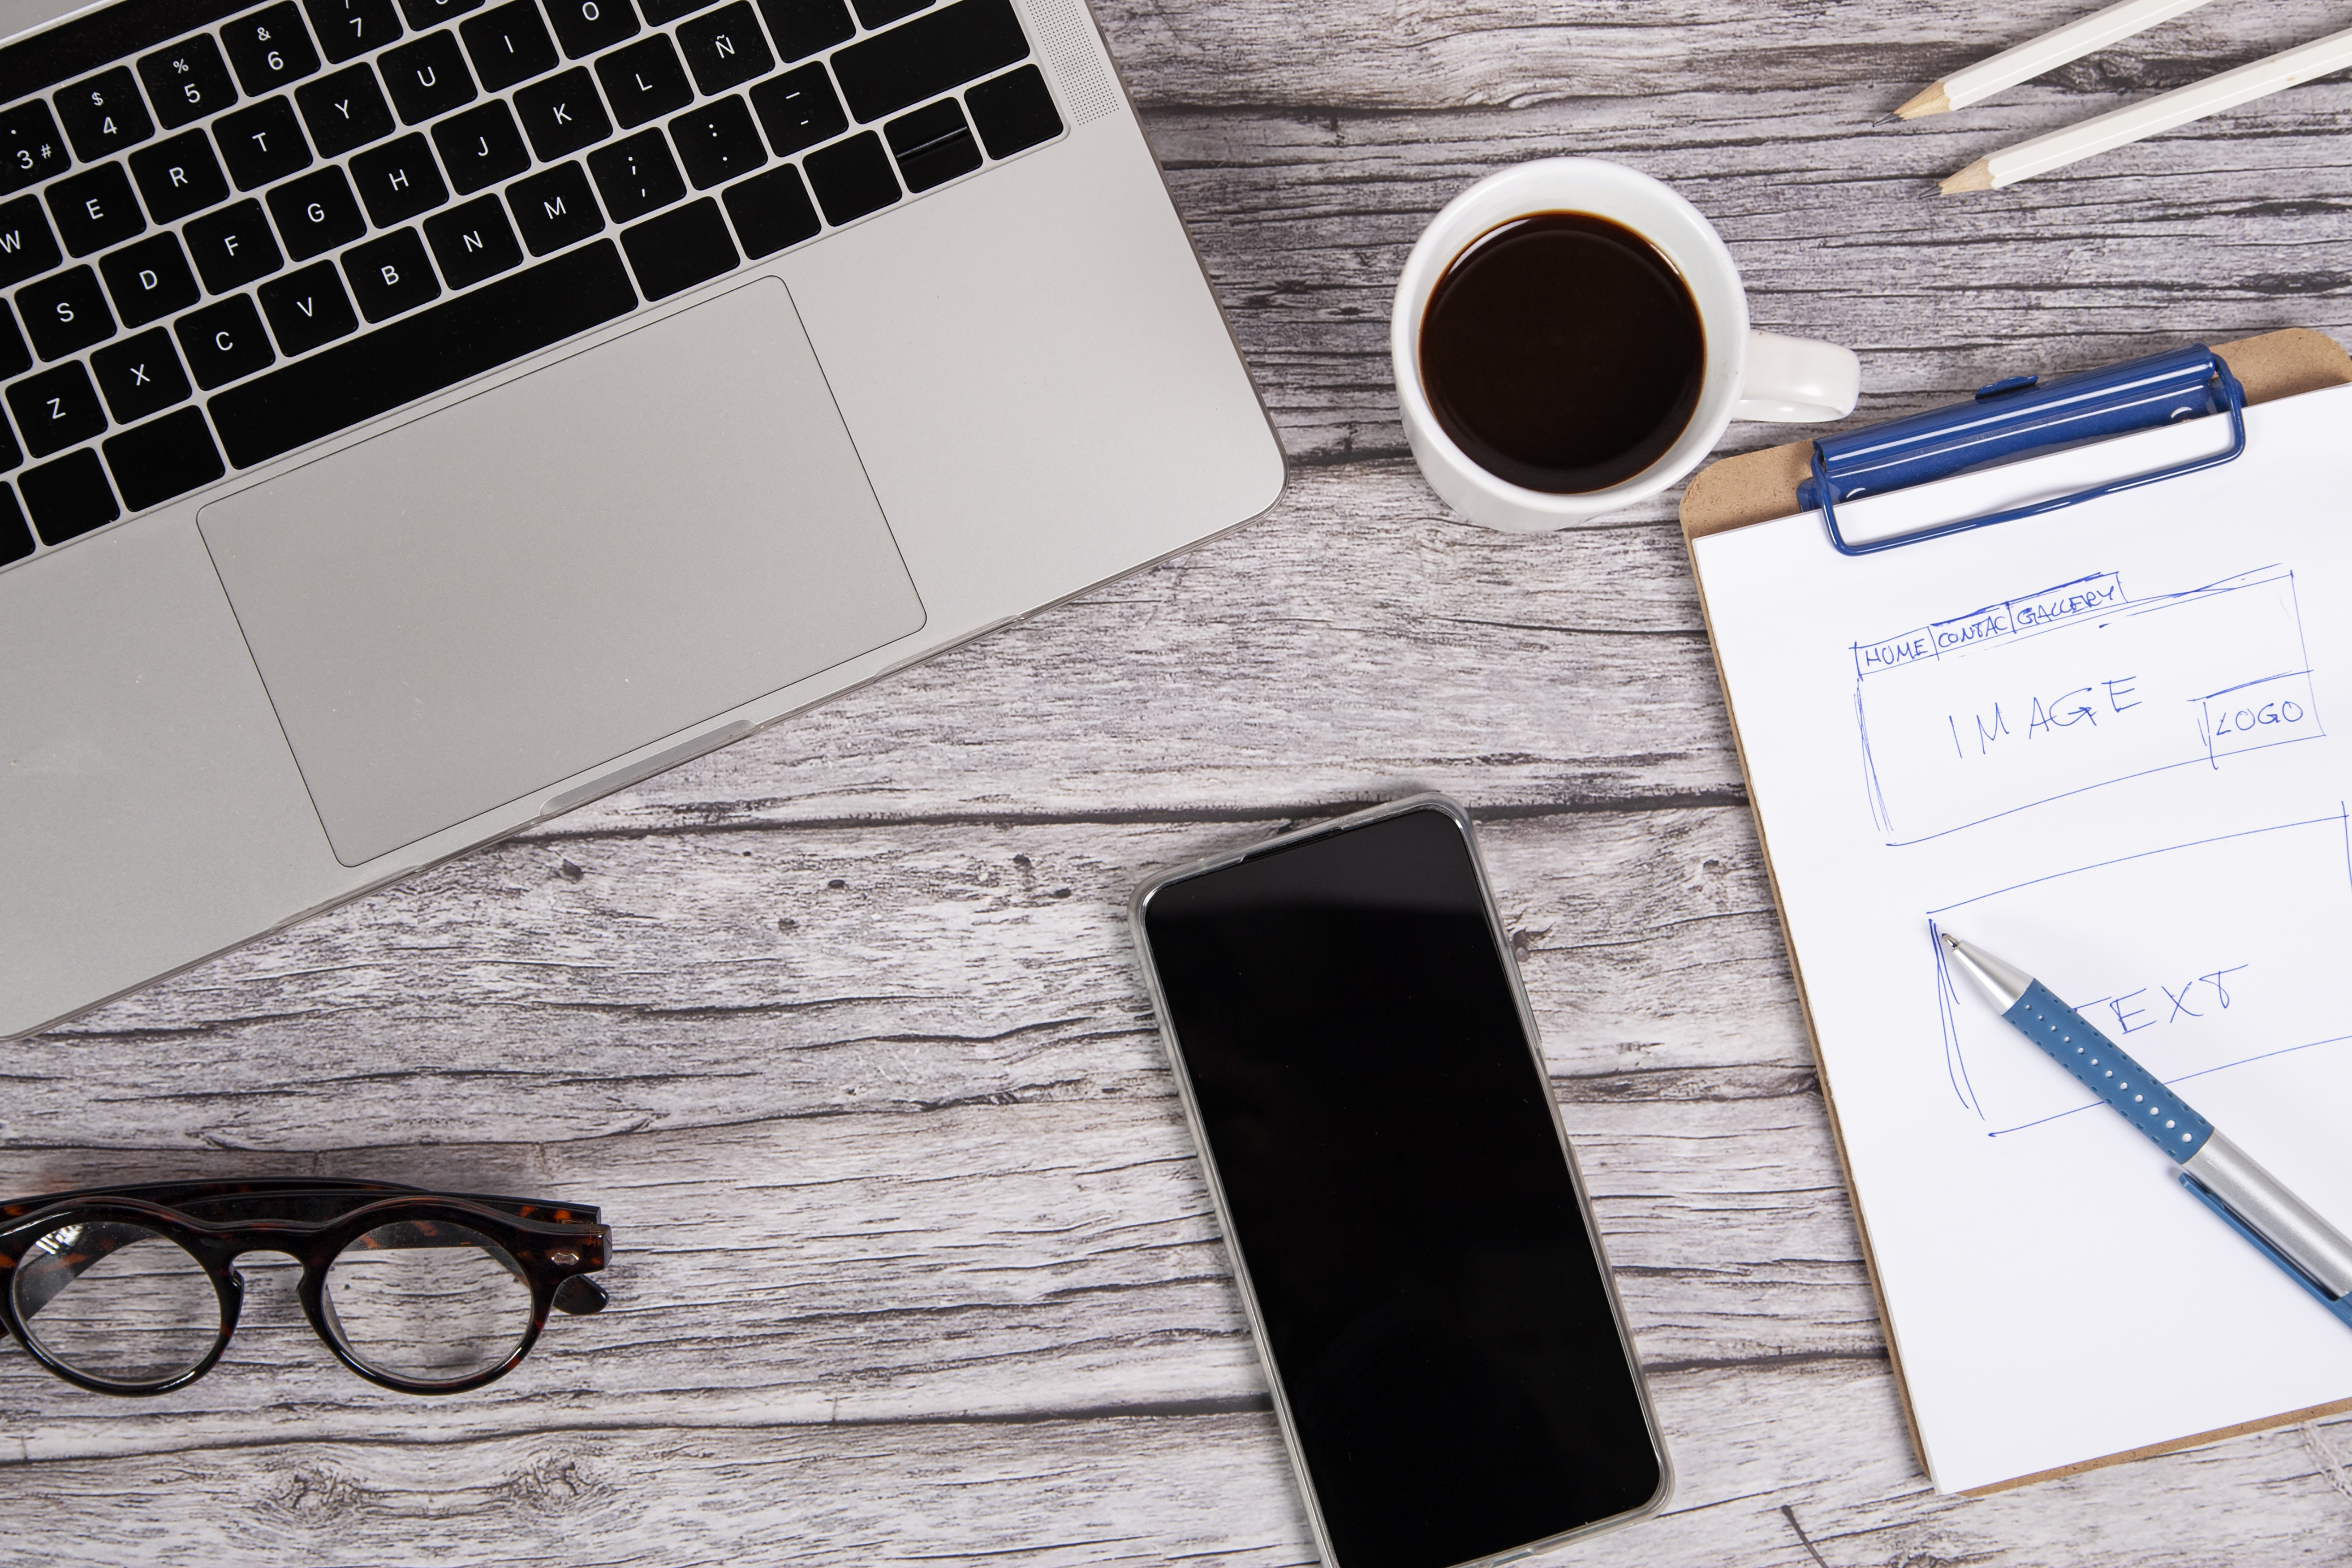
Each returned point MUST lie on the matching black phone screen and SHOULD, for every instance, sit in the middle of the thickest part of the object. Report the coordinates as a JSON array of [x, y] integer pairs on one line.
[[1396, 1186]]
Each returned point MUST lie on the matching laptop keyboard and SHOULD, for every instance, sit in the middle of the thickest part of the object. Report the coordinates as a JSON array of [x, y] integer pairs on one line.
[[226, 232]]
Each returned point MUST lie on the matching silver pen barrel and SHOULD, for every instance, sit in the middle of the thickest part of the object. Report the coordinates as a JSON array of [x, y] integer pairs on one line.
[[2285, 1221]]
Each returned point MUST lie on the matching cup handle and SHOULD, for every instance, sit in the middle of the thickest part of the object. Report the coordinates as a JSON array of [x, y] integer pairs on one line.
[[1797, 381]]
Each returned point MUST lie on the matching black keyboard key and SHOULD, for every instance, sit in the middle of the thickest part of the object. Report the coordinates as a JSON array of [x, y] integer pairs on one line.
[[716, 142], [1012, 112], [68, 497], [16, 358], [170, 458], [389, 275], [104, 115], [480, 147], [427, 77], [95, 209], [15, 533], [588, 25], [680, 250], [179, 176], [873, 14], [351, 27], [149, 280], [473, 242], [223, 341], [554, 209], [635, 175], [378, 372], [308, 308], [344, 110], [423, 14], [852, 178], [897, 69], [316, 213], [643, 82], [799, 109], [11, 455], [772, 211], [660, 13], [56, 409], [802, 27], [233, 247], [261, 145], [30, 147], [140, 376], [64, 312], [28, 249], [399, 180], [562, 114], [933, 145], [723, 48], [187, 81], [269, 48], [509, 45]]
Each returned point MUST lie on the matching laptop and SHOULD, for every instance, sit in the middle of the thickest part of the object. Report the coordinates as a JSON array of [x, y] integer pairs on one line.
[[423, 416]]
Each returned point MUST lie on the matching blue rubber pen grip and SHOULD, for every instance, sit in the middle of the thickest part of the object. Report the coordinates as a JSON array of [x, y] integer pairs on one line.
[[2108, 1070]]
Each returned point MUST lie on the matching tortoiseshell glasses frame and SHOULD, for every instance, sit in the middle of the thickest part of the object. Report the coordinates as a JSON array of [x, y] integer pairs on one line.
[[550, 1247]]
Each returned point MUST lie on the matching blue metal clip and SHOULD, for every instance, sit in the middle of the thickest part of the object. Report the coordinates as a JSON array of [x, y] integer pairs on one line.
[[2019, 417]]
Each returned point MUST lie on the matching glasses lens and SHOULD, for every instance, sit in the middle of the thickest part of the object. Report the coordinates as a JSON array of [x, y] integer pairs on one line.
[[429, 1301], [116, 1301]]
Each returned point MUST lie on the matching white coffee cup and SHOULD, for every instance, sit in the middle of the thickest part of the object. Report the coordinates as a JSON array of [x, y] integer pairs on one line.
[[1750, 375]]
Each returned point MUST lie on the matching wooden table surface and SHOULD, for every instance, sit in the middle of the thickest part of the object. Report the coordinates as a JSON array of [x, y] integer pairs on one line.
[[842, 1025]]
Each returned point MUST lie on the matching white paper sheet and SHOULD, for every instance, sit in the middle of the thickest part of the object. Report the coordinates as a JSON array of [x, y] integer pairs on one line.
[[2112, 745]]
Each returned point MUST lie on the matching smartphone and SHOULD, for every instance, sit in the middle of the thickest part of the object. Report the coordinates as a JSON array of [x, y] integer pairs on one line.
[[1448, 1358]]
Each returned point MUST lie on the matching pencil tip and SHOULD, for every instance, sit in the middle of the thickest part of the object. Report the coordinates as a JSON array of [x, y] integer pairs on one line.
[[1884, 120], [1931, 99], [1977, 176]]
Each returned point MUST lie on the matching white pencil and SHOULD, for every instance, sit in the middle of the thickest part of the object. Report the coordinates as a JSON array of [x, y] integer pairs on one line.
[[2161, 113], [2046, 53]]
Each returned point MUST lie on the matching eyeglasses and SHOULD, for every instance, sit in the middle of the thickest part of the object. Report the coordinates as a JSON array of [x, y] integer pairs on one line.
[[131, 1289]]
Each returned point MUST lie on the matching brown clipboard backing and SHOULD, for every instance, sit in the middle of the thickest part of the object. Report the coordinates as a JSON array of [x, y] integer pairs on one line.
[[1760, 487]]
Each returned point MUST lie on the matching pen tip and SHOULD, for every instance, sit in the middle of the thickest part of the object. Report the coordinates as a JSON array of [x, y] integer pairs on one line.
[[1949, 940]]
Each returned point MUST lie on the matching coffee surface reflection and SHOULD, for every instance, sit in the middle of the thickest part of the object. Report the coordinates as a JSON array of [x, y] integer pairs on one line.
[[1562, 353]]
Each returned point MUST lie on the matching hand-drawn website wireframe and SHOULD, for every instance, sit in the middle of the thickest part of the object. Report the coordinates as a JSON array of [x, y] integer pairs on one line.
[[2006, 706], [2096, 742], [2248, 969]]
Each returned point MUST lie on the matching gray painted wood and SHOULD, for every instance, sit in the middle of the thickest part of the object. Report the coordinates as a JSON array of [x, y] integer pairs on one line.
[[842, 1024]]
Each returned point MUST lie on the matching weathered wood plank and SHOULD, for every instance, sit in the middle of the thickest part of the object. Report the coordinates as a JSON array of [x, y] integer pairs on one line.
[[982, 1262], [1132, 1488], [2220, 230], [697, 978], [1639, 55]]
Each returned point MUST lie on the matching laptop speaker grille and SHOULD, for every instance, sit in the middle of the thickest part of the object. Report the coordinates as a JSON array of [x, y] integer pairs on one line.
[[1066, 37]]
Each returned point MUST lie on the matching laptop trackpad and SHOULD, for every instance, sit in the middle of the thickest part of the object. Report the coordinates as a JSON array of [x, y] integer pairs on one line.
[[515, 588]]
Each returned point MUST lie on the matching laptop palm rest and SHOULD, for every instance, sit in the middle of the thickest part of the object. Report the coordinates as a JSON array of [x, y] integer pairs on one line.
[[539, 579]]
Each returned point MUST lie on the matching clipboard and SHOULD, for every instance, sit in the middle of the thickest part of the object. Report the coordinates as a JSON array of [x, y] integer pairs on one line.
[[2009, 418]]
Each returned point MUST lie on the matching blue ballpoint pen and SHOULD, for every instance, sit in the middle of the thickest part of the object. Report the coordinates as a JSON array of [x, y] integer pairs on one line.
[[2216, 1171]]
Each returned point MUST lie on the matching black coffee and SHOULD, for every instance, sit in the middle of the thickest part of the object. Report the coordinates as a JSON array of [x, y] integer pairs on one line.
[[1562, 353]]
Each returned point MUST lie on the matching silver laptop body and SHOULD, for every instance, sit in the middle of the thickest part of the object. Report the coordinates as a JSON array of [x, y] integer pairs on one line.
[[408, 453]]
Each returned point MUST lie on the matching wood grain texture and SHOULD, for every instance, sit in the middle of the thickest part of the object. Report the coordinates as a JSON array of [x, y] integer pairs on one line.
[[913, 1258]]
